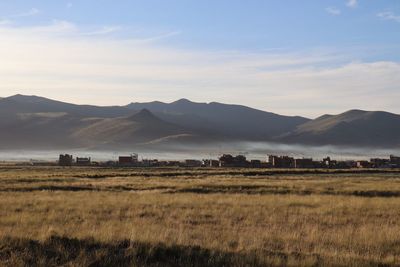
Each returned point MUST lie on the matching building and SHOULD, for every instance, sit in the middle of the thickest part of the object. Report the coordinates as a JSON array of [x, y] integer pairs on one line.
[[329, 163], [364, 164], [210, 163], [83, 161], [395, 161], [255, 163], [65, 160], [304, 163], [192, 163], [131, 160], [380, 163], [241, 161], [228, 160], [171, 163], [109, 163], [281, 161], [319, 165], [351, 164], [150, 163]]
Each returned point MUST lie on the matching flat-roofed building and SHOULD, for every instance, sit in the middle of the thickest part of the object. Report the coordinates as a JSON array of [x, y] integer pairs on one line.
[[65, 160], [281, 161], [131, 160], [304, 163], [83, 161]]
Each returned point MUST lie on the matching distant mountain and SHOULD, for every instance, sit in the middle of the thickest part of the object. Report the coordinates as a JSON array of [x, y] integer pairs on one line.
[[233, 121], [31, 122], [34, 104], [39, 123], [140, 128], [354, 127]]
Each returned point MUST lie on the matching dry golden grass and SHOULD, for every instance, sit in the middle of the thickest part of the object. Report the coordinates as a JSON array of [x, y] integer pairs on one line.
[[242, 218]]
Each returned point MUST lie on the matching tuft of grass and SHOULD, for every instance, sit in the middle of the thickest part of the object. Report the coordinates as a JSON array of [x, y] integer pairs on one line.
[[64, 251]]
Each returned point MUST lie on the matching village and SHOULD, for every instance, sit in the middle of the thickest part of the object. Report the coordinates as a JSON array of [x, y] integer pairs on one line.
[[238, 161]]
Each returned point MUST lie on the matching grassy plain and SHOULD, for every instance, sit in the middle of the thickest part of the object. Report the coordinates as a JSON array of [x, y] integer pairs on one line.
[[198, 217]]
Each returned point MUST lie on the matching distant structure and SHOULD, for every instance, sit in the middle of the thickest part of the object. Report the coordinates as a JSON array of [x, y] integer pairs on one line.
[[65, 160], [255, 163], [304, 163], [149, 163], [210, 163], [328, 162], [227, 160], [281, 162], [380, 163], [238, 161], [394, 161], [364, 164], [193, 163], [131, 160], [83, 161]]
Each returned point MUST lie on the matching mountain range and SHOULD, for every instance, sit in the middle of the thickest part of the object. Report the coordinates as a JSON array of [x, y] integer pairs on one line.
[[32, 122]]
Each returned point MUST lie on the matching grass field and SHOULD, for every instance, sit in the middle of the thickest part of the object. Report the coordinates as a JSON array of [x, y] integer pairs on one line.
[[203, 217]]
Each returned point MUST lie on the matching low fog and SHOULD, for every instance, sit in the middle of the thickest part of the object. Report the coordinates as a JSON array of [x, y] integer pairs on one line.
[[252, 150]]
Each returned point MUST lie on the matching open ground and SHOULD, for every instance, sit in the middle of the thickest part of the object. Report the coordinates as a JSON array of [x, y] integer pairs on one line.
[[52, 216]]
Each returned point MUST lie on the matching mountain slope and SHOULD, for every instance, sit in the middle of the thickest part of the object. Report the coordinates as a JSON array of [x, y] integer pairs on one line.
[[41, 131], [31, 122], [234, 121], [41, 123], [354, 127], [55, 130], [140, 128], [35, 104]]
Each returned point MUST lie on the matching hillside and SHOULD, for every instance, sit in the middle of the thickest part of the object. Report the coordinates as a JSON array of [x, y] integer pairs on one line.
[[354, 127], [64, 126], [35, 104], [234, 121], [41, 123], [140, 128]]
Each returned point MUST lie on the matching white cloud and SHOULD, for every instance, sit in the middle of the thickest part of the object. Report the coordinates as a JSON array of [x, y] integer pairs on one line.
[[69, 5], [29, 13], [4, 22], [388, 15], [352, 3], [333, 11], [58, 61], [8, 19], [55, 27], [160, 36], [104, 30]]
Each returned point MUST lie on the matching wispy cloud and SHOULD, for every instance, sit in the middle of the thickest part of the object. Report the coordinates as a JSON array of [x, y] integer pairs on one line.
[[9, 19], [55, 27], [159, 37], [4, 22], [333, 11], [388, 15], [57, 61], [104, 30], [29, 13], [352, 3], [69, 5]]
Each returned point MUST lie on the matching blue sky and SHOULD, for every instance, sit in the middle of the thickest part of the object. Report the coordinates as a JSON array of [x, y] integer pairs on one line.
[[287, 56]]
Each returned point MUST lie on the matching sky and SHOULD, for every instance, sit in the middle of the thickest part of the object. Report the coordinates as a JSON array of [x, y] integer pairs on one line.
[[293, 57]]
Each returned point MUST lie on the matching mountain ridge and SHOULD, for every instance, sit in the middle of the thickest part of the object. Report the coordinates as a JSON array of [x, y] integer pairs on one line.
[[353, 127], [43, 122]]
